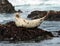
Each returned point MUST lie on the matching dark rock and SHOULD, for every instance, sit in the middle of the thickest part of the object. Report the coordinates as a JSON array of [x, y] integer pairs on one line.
[[37, 14], [52, 16], [19, 11], [6, 7], [11, 32], [59, 33]]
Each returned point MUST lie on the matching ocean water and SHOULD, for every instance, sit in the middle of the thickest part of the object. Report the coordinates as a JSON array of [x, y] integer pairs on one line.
[[27, 7]]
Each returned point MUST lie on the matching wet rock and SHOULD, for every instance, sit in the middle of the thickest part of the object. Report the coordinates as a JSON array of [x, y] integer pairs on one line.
[[11, 32], [52, 16], [37, 14], [19, 11], [59, 33], [6, 7]]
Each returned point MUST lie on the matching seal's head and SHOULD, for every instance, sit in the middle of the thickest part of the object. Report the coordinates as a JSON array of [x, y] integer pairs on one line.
[[17, 15]]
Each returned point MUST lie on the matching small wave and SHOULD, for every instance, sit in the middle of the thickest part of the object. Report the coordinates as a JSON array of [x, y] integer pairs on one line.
[[34, 2]]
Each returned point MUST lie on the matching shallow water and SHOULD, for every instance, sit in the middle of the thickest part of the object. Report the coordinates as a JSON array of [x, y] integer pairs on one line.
[[50, 42]]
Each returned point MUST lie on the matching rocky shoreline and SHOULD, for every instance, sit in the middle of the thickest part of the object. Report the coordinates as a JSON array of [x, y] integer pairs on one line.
[[7, 7], [10, 32], [52, 16]]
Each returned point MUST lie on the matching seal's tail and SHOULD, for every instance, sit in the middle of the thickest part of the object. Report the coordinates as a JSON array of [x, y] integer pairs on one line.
[[46, 15], [43, 18]]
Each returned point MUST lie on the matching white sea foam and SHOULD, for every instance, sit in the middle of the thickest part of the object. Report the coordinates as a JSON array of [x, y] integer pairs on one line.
[[35, 2]]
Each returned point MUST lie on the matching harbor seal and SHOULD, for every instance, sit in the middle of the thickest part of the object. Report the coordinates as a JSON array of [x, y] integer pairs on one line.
[[28, 23]]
